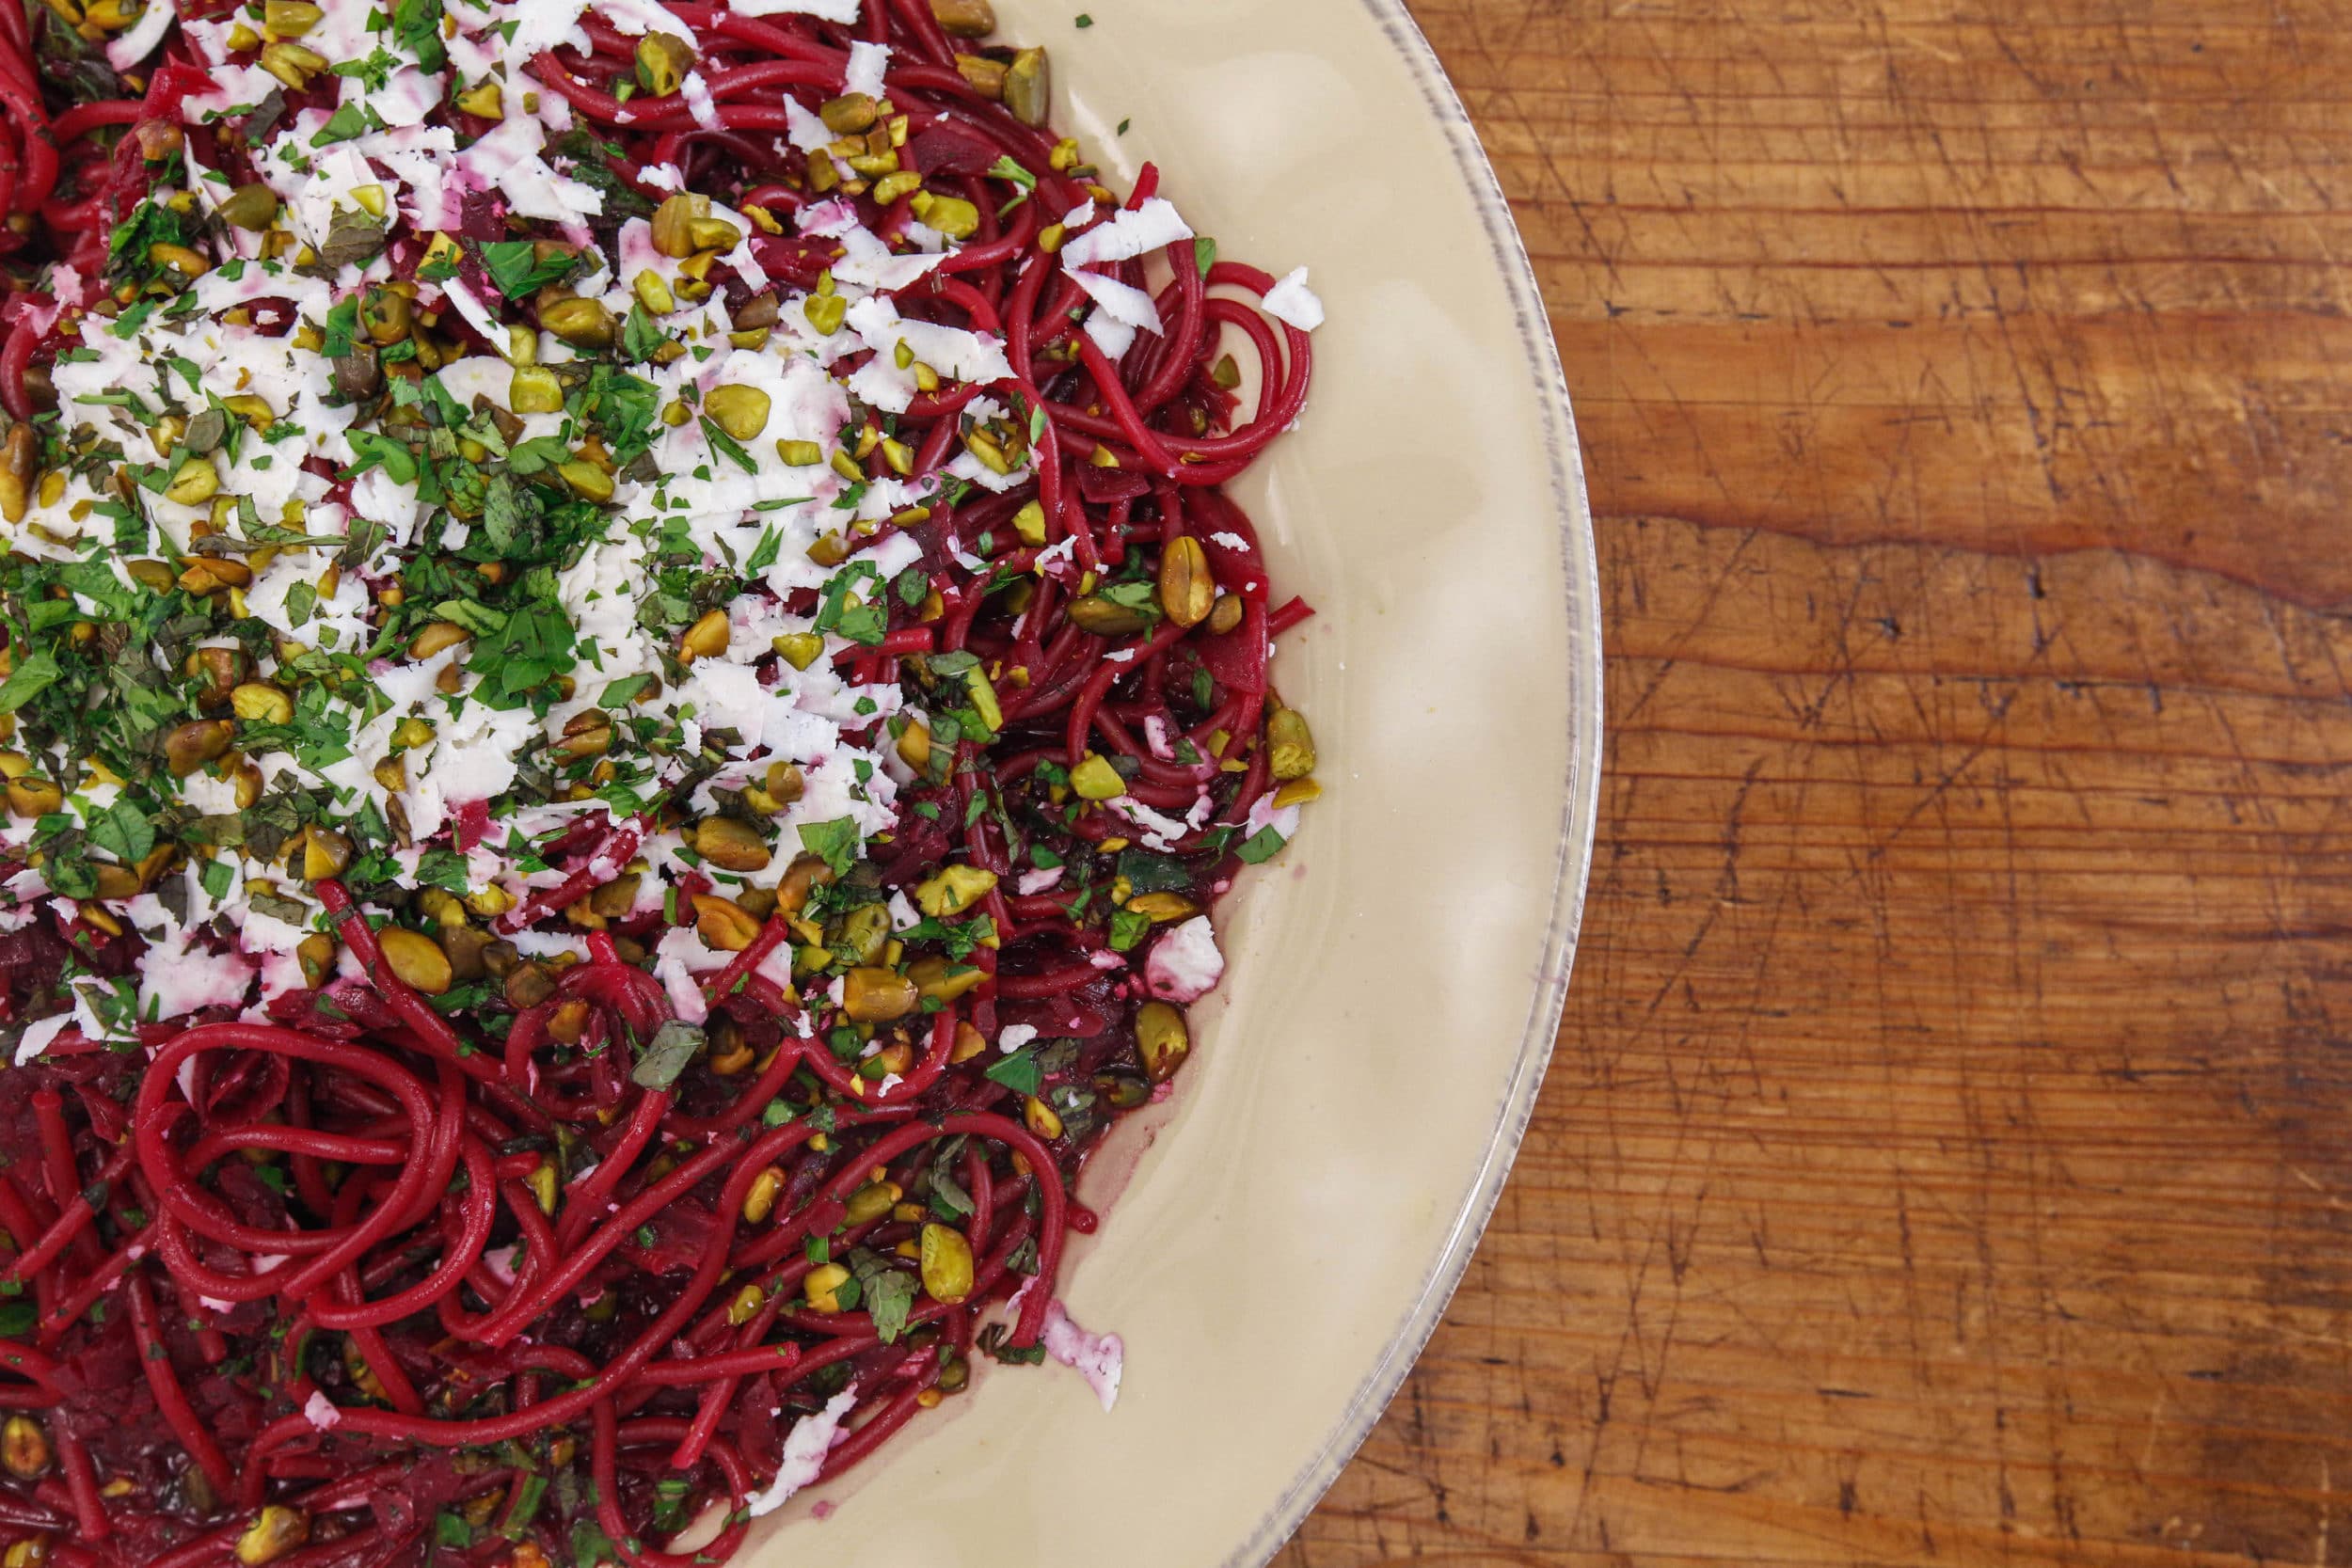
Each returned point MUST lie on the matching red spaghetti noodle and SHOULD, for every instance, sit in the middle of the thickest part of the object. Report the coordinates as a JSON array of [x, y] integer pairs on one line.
[[564, 1260]]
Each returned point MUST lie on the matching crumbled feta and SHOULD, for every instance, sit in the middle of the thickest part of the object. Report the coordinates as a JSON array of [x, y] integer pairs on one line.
[[1292, 301], [134, 45], [1153, 225], [805, 1446], [1184, 964], [1100, 1359], [38, 1036], [868, 64]]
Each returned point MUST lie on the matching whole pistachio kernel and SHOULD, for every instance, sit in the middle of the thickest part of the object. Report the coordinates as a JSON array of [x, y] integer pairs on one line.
[[965, 19], [253, 409], [325, 853], [1104, 617], [941, 980], [252, 207], [24, 1447], [1290, 746], [732, 844], [1226, 614], [741, 411], [759, 311], [724, 924], [673, 222], [1162, 908], [386, 315], [534, 390], [31, 796], [713, 234], [986, 76], [761, 1201], [707, 637], [582, 322], [195, 482], [871, 1202], [20, 460], [1041, 1119], [821, 1287], [1187, 589], [861, 935], [653, 292], [1029, 87], [435, 636], [826, 312], [890, 187], [800, 649], [1161, 1039], [945, 1263], [849, 113], [292, 64], [417, 958], [291, 19], [191, 745], [871, 994], [953, 216], [276, 1531], [662, 61], [258, 703], [587, 480]]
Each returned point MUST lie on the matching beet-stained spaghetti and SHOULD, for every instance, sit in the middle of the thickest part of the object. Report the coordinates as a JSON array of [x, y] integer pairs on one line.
[[626, 688]]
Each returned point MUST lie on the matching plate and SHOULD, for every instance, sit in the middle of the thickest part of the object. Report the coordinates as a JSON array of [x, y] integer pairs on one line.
[[1283, 1246]]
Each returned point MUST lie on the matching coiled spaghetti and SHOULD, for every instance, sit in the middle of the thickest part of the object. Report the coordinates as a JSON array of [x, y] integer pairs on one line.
[[590, 1166]]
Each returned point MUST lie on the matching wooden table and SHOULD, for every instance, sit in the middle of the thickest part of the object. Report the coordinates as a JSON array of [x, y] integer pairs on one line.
[[1946, 1157]]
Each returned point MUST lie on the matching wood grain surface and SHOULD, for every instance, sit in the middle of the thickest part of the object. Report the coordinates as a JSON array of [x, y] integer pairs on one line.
[[1945, 1159]]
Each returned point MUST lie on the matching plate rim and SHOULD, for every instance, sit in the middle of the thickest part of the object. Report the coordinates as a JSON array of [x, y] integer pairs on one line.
[[1580, 816]]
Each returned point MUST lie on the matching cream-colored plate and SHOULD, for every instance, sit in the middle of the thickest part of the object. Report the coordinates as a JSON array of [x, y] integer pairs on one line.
[[1288, 1240]]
